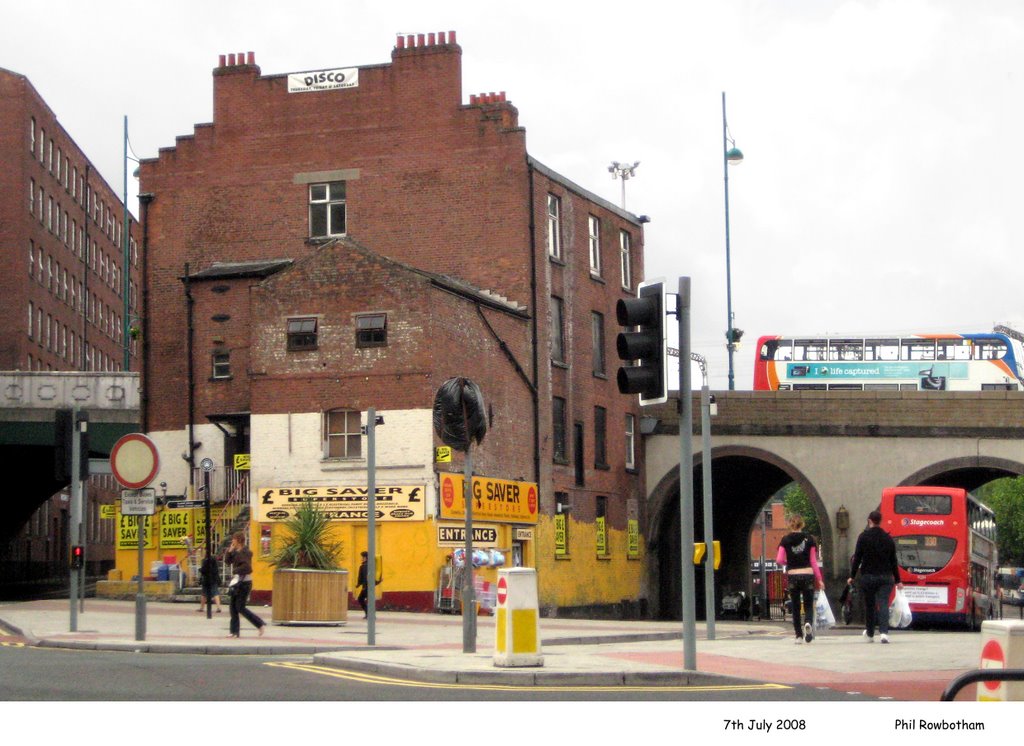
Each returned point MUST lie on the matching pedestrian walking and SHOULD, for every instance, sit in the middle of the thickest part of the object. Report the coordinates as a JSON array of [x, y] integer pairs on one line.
[[798, 552], [875, 560], [362, 585], [239, 556], [209, 584]]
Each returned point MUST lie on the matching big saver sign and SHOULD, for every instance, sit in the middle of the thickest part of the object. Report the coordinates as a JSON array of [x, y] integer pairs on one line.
[[493, 499]]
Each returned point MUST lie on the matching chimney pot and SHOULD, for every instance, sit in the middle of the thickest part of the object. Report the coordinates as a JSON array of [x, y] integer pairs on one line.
[[451, 37], [222, 59], [440, 37], [420, 40], [431, 39], [401, 42], [231, 59], [410, 41], [250, 58]]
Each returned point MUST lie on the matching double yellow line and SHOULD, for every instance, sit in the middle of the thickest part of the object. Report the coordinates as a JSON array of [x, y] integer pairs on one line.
[[367, 678], [8, 643]]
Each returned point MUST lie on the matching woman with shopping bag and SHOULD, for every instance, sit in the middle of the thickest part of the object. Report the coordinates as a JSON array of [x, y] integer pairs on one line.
[[875, 560], [798, 552]]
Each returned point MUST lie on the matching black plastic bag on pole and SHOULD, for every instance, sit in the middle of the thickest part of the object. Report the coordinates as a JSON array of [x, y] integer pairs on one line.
[[459, 416]]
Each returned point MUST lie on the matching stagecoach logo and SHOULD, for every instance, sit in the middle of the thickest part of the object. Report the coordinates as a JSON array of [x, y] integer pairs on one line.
[[922, 522], [323, 80]]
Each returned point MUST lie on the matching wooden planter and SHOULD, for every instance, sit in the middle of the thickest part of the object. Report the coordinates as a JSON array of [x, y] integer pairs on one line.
[[310, 597]]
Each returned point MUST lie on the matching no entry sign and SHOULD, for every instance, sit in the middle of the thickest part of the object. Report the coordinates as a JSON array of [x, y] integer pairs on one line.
[[134, 461], [992, 656]]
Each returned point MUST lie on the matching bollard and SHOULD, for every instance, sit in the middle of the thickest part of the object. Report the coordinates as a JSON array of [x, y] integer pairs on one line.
[[1002, 646], [517, 623]]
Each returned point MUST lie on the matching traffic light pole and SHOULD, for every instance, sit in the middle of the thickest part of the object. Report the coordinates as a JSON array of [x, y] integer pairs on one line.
[[75, 529], [686, 478]]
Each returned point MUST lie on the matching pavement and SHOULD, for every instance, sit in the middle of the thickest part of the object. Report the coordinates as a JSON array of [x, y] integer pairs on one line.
[[916, 666]]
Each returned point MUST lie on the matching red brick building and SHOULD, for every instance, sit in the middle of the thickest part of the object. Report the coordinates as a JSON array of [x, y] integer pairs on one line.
[[347, 238], [63, 282]]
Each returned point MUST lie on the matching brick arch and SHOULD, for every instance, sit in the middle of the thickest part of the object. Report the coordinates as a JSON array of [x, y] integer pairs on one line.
[[735, 509], [968, 472]]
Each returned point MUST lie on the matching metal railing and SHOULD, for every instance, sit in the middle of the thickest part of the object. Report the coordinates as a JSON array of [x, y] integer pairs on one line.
[[974, 677]]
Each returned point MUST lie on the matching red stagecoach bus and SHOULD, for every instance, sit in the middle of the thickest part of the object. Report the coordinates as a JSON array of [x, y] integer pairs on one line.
[[946, 550]]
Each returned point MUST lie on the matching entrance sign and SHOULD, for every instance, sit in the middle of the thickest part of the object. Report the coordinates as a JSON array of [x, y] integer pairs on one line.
[[135, 461]]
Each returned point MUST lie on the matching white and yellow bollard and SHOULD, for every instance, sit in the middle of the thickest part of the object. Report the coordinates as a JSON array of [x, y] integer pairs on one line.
[[517, 627]]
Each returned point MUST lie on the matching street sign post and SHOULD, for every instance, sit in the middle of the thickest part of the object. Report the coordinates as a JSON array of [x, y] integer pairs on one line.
[[135, 461]]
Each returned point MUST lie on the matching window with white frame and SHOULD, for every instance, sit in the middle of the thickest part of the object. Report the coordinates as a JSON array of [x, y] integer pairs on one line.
[[327, 209], [597, 342], [554, 227], [343, 437], [630, 441], [222, 364], [594, 238], [625, 243]]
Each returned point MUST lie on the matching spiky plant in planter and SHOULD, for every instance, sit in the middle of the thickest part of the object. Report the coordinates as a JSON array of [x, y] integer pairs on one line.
[[309, 585], [306, 543]]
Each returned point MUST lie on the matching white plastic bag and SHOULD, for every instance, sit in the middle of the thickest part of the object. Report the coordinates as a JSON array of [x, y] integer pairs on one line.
[[900, 615], [823, 616]]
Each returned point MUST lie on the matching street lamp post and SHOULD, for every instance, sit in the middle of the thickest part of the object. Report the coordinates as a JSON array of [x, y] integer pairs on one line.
[[731, 155]]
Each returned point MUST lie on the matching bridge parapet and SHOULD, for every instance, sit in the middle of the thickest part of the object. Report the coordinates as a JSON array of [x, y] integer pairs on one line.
[[926, 414], [66, 390]]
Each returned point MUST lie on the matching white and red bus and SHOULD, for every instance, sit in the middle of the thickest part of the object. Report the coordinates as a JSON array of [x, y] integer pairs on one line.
[[946, 550], [928, 362]]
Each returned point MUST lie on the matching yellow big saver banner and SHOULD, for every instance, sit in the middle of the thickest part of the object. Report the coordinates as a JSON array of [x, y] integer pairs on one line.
[[493, 499]]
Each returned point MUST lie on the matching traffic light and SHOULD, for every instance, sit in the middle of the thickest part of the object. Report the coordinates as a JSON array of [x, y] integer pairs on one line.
[[77, 557], [644, 343]]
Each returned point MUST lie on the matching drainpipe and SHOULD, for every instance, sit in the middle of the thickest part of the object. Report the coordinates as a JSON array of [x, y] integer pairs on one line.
[[533, 330], [144, 200]]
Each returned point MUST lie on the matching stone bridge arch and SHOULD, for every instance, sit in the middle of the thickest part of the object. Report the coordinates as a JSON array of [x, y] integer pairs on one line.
[[743, 478]]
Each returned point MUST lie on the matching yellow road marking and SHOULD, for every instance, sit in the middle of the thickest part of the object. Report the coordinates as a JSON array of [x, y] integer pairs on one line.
[[368, 678]]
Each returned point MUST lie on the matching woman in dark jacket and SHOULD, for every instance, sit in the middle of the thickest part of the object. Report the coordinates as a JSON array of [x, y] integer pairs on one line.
[[239, 556]]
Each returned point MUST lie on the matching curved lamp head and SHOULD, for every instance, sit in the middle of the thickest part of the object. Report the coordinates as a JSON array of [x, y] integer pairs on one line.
[[734, 156]]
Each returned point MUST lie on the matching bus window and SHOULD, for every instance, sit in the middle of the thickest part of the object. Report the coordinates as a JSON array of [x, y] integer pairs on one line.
[[846, 349], [989, 349], [924, 555], [777, 349], [881, 349], [922, 504], [918, 349], [954, 349], [810, 349]]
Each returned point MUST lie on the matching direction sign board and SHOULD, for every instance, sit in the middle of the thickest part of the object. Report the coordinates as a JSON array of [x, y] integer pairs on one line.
[[138, 502]]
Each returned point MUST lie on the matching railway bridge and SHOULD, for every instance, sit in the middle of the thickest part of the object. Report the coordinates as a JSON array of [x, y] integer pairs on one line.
[[841, 447]]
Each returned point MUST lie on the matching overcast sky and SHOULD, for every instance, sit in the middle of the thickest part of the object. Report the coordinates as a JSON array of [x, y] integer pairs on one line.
[[880, 191]]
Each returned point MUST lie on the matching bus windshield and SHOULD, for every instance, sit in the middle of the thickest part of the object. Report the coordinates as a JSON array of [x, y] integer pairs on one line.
[[923, 504], [924, 555]]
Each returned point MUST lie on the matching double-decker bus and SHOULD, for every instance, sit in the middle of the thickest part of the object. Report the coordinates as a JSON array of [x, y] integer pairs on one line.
[[928, 362], [946, 550], [1009, 582]]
